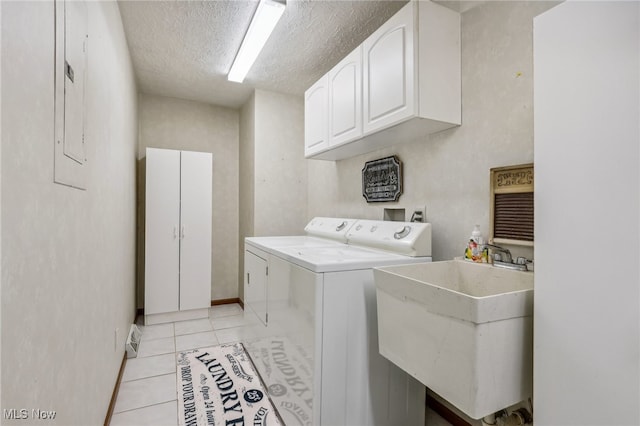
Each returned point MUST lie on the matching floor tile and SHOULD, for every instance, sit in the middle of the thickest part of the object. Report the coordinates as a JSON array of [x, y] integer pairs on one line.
[[156, 331], [235, 334], [193, 326], [148, 390], [251, 318], [194, 341], [156, 347], [165, 414], [139, 368], [144, 392], [224, 310], [227, 322]]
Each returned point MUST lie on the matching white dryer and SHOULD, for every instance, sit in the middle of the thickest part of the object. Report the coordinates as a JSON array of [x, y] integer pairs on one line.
[[319, 232], [319, 353]]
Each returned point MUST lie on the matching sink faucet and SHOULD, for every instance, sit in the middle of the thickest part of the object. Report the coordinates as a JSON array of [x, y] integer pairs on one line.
[[504, 259], [503, 255]]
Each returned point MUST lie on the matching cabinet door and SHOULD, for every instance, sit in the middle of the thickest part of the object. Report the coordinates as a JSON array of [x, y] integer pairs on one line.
[[195, 230], [162, 218], [345, 99], [389, 71], [255, 285], [316, 124]]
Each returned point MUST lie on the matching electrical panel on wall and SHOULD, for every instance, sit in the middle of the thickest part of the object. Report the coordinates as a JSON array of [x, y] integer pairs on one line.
[[71, 44]]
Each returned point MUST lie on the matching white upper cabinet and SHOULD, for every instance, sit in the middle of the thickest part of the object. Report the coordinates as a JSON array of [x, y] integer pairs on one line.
[[408, 85], [389, 96], [345, 99], [316, 122]]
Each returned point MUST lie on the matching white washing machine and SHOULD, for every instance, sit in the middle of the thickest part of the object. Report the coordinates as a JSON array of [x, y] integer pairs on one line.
[[318, 354]]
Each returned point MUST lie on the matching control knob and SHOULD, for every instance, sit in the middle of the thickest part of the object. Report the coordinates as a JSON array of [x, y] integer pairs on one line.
[[402, 232]]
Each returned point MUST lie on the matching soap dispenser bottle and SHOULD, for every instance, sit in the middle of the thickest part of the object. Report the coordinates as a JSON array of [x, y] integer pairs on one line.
[[476, 251], [476, 235]]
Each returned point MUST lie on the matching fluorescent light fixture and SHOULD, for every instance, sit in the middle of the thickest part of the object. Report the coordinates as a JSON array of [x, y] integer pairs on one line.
[[264, 21]]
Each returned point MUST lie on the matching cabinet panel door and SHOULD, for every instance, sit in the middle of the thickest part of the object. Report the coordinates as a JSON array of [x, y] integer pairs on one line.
[[389, 71], [162, 218], [316, 123], [195, 230], [255, 285], [345, 99]]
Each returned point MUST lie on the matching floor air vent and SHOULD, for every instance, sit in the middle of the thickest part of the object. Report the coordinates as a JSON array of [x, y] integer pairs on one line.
[[133, 341]]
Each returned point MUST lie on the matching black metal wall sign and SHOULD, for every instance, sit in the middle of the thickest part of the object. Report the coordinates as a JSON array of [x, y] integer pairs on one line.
[[382, 180]]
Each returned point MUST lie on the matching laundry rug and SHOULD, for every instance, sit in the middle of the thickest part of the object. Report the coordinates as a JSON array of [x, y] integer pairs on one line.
[[219, 386], [285, 364]]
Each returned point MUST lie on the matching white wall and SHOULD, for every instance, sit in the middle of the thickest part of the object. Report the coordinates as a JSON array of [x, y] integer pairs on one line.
[[194, 126], [449, 171], [0, 194], [280, 170], [274, 173], [247, 182], [68, 256], [587, 159]]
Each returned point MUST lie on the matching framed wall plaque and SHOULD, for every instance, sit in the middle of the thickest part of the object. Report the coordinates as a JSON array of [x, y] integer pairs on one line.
[[512, 205], [382, 180]]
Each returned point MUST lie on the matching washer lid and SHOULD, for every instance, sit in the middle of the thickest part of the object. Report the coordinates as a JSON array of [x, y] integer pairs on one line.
[[343, 258]]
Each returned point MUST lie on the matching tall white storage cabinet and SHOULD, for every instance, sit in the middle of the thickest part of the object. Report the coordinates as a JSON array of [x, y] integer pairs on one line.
[[177, 235]]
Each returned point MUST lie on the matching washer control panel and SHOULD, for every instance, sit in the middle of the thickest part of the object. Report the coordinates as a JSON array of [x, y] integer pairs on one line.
[[409, 238]]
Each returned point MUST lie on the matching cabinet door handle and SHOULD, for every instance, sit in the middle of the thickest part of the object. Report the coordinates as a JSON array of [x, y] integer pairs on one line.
[[248, 278], [175, 232], [182, 233]]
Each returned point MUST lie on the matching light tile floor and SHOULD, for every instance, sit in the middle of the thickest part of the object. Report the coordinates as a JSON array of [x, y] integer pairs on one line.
[[148, 393]]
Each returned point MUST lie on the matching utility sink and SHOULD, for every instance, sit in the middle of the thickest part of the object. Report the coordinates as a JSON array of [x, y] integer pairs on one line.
[[465, 330]]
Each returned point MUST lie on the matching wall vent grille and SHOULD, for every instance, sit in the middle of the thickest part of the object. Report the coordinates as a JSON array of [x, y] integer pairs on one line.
[[133, 341]]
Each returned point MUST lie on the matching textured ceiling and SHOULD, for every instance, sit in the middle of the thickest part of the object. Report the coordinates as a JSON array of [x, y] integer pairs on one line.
[[184, 49]]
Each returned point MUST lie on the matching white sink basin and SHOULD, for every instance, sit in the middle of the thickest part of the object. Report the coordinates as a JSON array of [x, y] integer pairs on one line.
[[465, 330]]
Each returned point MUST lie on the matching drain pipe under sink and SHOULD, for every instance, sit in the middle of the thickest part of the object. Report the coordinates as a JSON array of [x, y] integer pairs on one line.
[[489, 420], [517, 417]]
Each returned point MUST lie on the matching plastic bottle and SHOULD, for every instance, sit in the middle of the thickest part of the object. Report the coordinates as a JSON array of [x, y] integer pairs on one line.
[[476, 235], [475, 251]]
